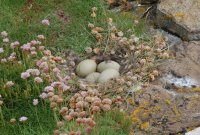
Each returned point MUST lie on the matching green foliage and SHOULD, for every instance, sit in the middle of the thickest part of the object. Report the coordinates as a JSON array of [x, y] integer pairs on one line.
[[22, 19]]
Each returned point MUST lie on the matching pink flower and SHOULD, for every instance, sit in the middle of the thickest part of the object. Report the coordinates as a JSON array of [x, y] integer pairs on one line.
[[33, 53], [32, 48], [26, 47], [65, 87], [1, 50], [48, 89], [45, 22], [35, 102], [9, 84], [25, 75], [47, 52], [55, 84], [34, 42], [5, 40], [3, 60], [23, 119], [38, 63], [43, 95], [13, 54], [14, 44], [11, 58], [41, 37], [34, 72], [38, 80], [56, 70], [4, 34], [43, 65], [41, 48]]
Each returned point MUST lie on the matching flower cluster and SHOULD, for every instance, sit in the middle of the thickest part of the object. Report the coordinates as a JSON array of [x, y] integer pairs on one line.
[[1, 100], [4, 35]]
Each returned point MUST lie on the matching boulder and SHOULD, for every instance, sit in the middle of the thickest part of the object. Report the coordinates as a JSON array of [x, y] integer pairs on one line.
[[86, 67], [180, 17], [108, 64], [108, 74], [93, 77]]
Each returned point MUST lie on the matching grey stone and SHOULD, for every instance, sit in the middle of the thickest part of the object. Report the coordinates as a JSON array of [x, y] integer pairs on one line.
[[108, 74], [86, 67], [180, 17], [172, 39]]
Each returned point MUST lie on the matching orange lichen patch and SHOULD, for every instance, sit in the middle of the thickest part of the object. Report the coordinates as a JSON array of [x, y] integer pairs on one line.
[[196, 89], [140, 115], [180, 14], [176, 111], [130, 101], [145, 126], [167, 101]]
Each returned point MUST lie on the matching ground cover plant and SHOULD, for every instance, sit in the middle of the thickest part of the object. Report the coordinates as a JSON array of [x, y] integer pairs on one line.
[[40, 94]]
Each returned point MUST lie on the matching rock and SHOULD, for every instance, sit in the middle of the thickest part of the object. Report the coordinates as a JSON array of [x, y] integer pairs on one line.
[[108, 64], [172, 39], [181, 18], [86, 67], [166, 113], [93, 77], [108, 74], [196, 131], [185, 65]]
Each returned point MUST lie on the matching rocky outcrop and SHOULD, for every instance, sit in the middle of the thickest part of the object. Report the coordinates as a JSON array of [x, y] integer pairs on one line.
[[180, 17]]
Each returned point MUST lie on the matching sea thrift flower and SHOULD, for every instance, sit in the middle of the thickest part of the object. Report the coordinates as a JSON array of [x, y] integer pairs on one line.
[[26, 47], [35, 102], [60, 124], [90, 25], [34, 42], [68, 117], [41, 48], [5, 40], [3, 60], [23, 119], [78, 133], [13, 121], [1, 50], [34, 72], [88, 130], [45, 22], [120, 34], [38, 80], [136, 39], [94, 9], [14, 44], [32, 49], [43, 95], [65, 87], [9, 84], [88, 50], [25, 75], [41, 37], [107, 101], [1, 103], [106, 107], [4, 34], [48, 89], [47, 52]]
